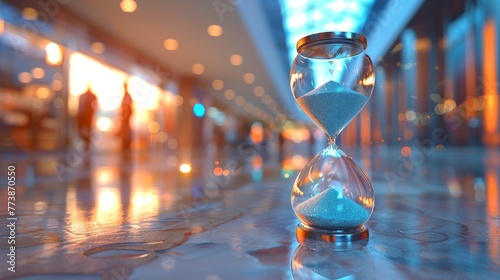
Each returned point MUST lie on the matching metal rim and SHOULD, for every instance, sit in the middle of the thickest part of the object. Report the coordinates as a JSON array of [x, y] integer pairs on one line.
[[334, 236], [334, 36]]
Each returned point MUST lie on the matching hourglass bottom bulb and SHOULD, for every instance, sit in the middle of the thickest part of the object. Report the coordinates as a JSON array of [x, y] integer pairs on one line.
[[331, 210]]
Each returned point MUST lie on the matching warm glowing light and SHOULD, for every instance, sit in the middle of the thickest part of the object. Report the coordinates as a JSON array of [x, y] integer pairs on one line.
[[440, 147], [490, 72], [249, 78], [258, 91], [218, 171], [214, 30], [106, 175], [24, 77], [369, 81], [37, 73], [297, 135], [423, 44], [171, 44], [104, 124], [146, 96], [401, 116], [225, 172], [218, 84], [198, 69], [450, 104], [177, 100], [185, 168], [236, 59], [29, 14], [406, 151], [128, 6], [256, 133], [367, 201], [106, 84], [2, 26], [42, 92], [229, 94], [53, 54], [97, 47], [153, 127], [298, 161], [295, 189], [478, 104]]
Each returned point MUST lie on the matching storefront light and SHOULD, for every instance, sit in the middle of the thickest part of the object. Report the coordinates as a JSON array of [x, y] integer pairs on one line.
[[29, 14], [215, 30], [43, 93], [105, 124], [128, 6], [171, 44], [185, 168], [2, 26], [53, 54]]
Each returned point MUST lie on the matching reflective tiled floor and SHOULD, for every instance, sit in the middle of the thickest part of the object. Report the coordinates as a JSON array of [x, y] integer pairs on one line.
[[437, 216]]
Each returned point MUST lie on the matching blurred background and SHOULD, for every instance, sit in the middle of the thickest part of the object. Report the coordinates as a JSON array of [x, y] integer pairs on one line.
[[119, 112]]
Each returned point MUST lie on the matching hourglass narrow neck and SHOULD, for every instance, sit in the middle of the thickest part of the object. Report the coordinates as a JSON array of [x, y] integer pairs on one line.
[[332, 141]]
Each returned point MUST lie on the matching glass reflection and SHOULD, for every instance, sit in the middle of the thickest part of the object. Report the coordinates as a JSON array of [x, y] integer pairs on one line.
[[144, 195], [108, 206], [107, 195], [323, 263]]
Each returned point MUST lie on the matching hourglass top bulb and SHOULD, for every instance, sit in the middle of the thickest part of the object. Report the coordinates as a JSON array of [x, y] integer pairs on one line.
[[332, 106]]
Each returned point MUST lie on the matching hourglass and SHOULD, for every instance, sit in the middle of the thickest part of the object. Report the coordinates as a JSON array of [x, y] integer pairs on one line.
[[331, 79]]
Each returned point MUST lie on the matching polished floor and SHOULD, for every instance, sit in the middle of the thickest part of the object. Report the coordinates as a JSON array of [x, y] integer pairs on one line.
[[437, 216]]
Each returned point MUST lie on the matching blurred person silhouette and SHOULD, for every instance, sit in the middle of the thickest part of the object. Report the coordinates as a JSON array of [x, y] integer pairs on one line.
[[126, 112], [87, 104]]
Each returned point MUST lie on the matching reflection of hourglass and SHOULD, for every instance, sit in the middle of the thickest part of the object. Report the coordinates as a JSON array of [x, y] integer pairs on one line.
[[331, 79], [322, 263]]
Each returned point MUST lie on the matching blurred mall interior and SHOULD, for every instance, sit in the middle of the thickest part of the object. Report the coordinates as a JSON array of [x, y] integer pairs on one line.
[[119, 112]]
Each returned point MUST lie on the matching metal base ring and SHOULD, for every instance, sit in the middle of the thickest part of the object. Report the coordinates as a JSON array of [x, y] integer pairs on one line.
[[337, 239]]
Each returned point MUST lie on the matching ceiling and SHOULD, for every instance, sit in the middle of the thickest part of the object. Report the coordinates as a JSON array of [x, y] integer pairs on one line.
[[187, 21], [252, 29]]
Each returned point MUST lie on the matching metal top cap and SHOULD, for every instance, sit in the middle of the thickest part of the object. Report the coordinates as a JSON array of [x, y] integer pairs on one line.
[[334, 36]]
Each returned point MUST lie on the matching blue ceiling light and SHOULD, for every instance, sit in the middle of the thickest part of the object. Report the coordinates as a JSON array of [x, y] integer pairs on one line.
[[199, 110], [302, 18]]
